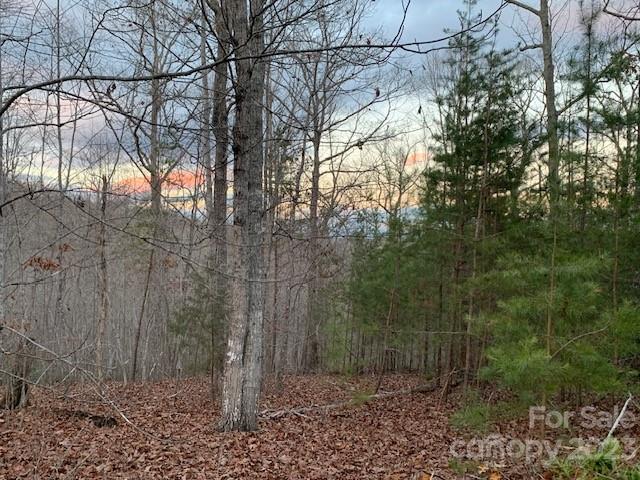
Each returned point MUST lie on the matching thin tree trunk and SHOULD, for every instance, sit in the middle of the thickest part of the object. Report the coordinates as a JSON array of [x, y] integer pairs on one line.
[[476, 239], [616, 253], [220, 187], [103, 281], [3, 197], [59, 98], [552, 292], [585, 179], [61, 283], [311, 342], [274, 308], [552, 114], [143, 306], [386, 326], [637, 161], [213, 229]]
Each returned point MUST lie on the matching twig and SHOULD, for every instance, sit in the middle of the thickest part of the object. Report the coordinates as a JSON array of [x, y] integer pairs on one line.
[[628, 17], [575, 339], [615, 424]]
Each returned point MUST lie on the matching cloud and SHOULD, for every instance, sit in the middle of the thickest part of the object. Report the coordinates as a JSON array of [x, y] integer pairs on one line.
[[426, 19], [178, 182]]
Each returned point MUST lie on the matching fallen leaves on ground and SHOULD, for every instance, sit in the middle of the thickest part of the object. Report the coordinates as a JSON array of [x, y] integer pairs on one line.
[[175, 434]]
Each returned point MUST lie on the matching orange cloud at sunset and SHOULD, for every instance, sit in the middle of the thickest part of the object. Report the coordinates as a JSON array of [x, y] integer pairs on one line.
[[416, 158], [176, 181]]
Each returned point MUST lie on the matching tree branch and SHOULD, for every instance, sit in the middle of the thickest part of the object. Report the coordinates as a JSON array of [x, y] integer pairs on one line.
[[575, 339], [524, 6], [414, 47], [623, 16], [524, 48]]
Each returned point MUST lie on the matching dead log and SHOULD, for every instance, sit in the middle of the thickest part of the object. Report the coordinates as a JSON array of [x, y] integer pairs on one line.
[[15, 394], [301, 411]]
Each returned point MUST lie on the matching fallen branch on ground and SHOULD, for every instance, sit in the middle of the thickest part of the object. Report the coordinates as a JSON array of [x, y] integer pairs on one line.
[[270, 414]]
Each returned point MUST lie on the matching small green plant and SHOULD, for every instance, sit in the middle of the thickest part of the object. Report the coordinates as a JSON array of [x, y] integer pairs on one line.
[[360, 398], [632, 473], [477, 415], [604, 459], [462, 467], [199, 325], [473, 416], [604, 462]]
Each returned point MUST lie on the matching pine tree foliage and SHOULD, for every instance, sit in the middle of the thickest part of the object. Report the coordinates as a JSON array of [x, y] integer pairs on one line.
[[485, 277], [199, 326]]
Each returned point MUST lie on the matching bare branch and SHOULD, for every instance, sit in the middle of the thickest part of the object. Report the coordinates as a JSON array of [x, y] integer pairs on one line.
[[524, 6], [624, 16], [413, 47]]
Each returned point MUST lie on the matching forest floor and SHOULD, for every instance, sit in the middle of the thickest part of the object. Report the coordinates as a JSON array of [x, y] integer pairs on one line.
[[174, 435]]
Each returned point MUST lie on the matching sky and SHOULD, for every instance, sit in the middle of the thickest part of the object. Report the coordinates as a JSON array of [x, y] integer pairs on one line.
[[427, 20]]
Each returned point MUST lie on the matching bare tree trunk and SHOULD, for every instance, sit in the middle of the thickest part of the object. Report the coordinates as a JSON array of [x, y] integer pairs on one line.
[[476, 239], [552, 114], [275, 330], [143, 307], [243, 365], [103, 281], [208, 167], [544, 16], [289, 320], [282, 353], [156, 180], [3, 198], [270, 161], [386, 325], [616, 252], [219, 212], [311, 343], [637, 160], [155, 175], [16, 393], [61, 282], [585, 178], [273, 180]]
